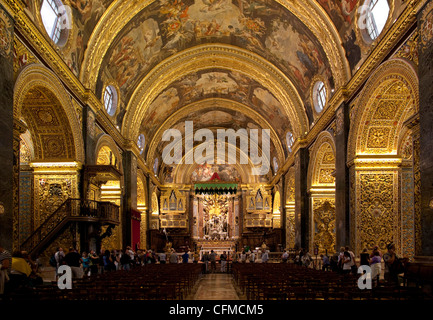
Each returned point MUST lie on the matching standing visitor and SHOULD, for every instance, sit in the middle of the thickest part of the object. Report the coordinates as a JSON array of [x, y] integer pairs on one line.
[[212, 258], [364, 258], [376, 267], [162, 258], [73, 259], [205, 258], [85, 260], [223, 259], [265, 256], [393, 265]]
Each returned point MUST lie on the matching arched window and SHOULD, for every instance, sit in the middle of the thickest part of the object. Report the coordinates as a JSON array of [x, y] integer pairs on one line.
[[319, 96], [377, 15], [55, 19], [275, 165], [110, 100], [155, 166], [290, 141], [141, 143]]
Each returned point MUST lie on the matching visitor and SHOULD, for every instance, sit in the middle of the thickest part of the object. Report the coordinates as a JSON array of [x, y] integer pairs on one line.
[[306, 259], [252, 257], [125, 261], [325, 262], [35, 278], [101, 261], [364, 258], [116, 258], [73, 259], [162, 257], [334, 262], [353, 266], [108, 261], [243, 256], [205, 258], [235, 257], [373, 253], [131, 254], [94, 262], [212, 258], [185, 257], [85, 261], [20, 272], [223, 259], [376, 267], [265, 256], [59, 256], [393, 265], [347, 262], [173, 257], [285, 256]]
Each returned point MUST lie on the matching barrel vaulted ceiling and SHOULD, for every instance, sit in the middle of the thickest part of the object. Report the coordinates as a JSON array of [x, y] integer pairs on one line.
[[219, 63]]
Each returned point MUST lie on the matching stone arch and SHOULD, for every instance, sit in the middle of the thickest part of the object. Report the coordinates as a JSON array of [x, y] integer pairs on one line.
[[322, 161], [389, 97], [41, 84], [375, 157], [106, 141], [321, 185]]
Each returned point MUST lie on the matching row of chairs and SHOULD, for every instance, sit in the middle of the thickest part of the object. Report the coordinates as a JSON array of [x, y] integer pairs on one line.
[[150, 282], [293, 282]]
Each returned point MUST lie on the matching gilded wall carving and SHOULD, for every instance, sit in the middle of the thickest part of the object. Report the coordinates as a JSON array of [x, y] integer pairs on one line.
[[377, 210], [50, 191], [324, 225]]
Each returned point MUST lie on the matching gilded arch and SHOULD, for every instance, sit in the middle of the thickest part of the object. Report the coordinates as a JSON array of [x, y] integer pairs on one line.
[[221, 56], [209, 104], [390, 96], [36, 76]]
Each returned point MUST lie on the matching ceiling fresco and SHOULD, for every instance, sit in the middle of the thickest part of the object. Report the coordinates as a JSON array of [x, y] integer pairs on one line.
[[166, 27], [215, 83]]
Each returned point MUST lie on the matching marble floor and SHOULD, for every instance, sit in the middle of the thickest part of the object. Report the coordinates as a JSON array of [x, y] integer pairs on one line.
[[215, 286]]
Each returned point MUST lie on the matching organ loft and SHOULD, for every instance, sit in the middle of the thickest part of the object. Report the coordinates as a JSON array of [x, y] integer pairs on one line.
[[216, 125]]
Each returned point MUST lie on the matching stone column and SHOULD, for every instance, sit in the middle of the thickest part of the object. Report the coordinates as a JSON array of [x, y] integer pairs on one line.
[[302, 222], [129, 195], [425, 73], [9, 151], [342, 217]]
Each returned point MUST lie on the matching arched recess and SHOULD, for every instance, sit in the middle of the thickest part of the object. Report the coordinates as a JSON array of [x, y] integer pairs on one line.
[[110, 188], [183, 172], [276, 210], [209, 105], [40, 84], [321, 186], [290, 208], [381, 211], [44, 106]]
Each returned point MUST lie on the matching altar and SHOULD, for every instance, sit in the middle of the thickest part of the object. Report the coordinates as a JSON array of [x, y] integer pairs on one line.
[[218, 246]]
